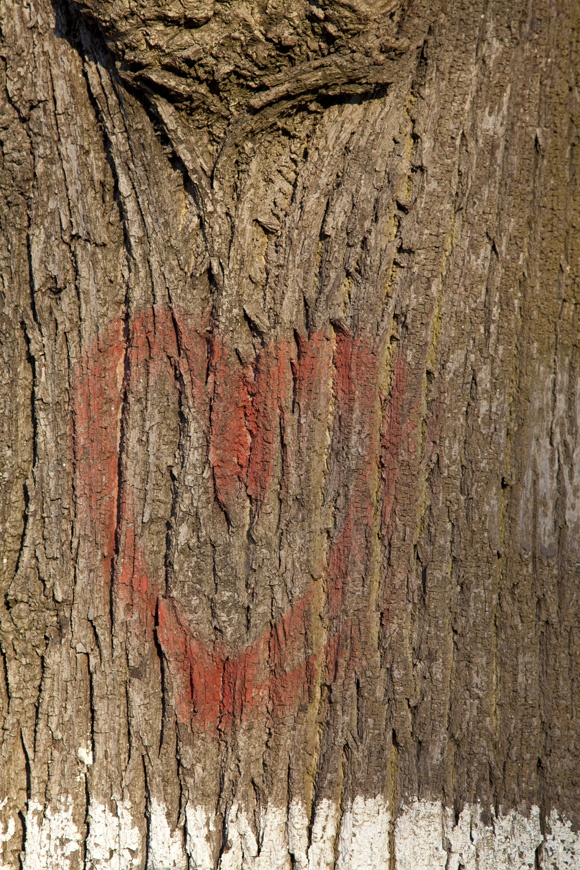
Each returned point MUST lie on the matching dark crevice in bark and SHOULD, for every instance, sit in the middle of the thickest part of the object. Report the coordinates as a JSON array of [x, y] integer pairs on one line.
[[121, 462], [39, 701], [28, 772], [87, 823], [165, 712], [93, 712]]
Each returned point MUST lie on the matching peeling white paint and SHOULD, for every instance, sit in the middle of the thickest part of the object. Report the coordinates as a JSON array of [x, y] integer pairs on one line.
[[509, 841], [561, 848], [85, 754], [52, 837], [113, 842], [166, 847], [7, 831], [273, 832], [419, 837], [424, 836], [240, 847], [462, 848], [297, 832], [262, 849], [321, 851], [199, 829], [364, 836]]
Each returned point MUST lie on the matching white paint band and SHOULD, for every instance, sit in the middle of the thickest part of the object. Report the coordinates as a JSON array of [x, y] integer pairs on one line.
[[424, 836]]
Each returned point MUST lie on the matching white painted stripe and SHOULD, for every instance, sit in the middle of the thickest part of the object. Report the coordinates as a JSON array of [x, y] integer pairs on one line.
[[52, 837], [321, 851], [199, 826], [297, 832], [561, 848], [364, 836], [113, 842], [419, 837], [509, 841], [166, 847], [424, 836]]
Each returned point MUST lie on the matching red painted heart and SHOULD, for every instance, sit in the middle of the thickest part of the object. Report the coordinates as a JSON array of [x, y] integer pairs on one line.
[[250, 412]]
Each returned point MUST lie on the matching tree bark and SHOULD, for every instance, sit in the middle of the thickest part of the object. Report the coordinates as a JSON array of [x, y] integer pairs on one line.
[[290, 514]]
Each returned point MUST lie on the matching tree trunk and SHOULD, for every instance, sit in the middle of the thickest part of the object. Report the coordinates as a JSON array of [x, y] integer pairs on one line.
[[290, 518]]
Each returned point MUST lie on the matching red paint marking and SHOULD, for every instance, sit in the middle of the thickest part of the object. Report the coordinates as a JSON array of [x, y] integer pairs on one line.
[[214, 689], [231, 414], [247, 404], [250, 411], [303, 418], [357, 373], [196, 671], [136, 597], [96, 412], [311, 369], [270, 392]]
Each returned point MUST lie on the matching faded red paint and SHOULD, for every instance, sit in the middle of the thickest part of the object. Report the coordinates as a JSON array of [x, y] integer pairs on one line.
[[135, 596], [312, 371], [231, 416], [247, 411], [309, 409], [214, 689], [96, 412], [247, 404], [356, 363], [196, 671], [271, 387], [97, 400]]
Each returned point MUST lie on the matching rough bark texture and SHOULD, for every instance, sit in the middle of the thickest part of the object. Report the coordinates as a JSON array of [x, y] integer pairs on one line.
[[290, 407]]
